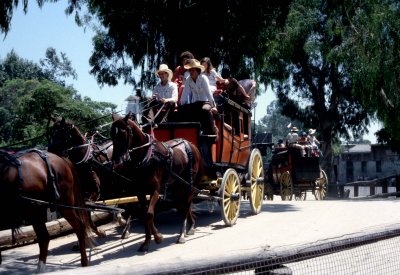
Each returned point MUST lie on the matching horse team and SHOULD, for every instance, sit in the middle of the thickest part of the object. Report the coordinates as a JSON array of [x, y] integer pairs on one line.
[[75, 169]]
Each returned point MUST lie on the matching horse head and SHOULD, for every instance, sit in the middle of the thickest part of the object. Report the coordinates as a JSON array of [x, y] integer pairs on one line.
[[126, 135], [120, 134], [64, 135]]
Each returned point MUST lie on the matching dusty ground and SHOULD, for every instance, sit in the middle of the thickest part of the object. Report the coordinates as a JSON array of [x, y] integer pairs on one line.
[[280, 224]]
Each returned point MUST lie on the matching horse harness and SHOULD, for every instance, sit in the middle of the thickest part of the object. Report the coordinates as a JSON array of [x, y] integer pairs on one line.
[[153, 155], [13, 159]]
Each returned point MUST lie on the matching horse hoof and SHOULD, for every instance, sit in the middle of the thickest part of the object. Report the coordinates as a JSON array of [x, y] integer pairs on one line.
[[143, 248], [101, 233], [158, 238], [181, 240], [190, 232]]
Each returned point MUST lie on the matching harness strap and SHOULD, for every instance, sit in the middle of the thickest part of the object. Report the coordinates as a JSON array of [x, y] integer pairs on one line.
[[52, 180]]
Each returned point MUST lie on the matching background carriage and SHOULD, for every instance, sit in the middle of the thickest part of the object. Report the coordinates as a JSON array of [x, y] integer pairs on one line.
[[290, 174], [237, 165]]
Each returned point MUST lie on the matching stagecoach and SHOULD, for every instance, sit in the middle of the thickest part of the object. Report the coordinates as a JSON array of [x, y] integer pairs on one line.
[[237, 165], [289, 174]]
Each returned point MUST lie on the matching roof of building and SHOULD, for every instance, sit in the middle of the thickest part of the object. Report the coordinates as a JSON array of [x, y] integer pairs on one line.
[[356, 148], [132, 98]]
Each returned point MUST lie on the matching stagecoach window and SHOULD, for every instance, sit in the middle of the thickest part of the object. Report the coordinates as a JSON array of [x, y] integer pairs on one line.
[[236, 122], [245, 124]]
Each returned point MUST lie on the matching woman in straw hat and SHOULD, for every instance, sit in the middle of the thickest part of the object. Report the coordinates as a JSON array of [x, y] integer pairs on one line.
[[165, 95], [197, 104], [198, 97]]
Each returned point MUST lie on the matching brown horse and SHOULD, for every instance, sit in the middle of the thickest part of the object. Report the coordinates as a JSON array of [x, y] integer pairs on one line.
[[173, 168], [92, 161], [32, 181]]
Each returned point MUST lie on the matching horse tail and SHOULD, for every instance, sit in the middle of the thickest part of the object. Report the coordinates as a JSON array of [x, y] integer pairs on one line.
[[197, 161], [83, 215]]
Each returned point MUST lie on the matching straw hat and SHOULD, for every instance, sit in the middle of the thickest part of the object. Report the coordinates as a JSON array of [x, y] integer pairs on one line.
[[164, 68], [294, 129], [311, 131], [194, 63]]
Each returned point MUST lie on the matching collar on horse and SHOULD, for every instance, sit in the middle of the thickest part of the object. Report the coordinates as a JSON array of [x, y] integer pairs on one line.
[[88, 155]]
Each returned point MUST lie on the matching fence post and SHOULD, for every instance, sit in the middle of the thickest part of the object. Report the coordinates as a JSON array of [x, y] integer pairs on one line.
[[398, 185], [341, 191], [385, 187], [356, 190], [372, 189]]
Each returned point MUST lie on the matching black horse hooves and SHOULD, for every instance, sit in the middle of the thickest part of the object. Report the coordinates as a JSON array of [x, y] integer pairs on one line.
[[143, 248]]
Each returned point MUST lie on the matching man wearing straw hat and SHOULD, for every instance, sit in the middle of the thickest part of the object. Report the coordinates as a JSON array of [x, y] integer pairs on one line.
[[165, 94]]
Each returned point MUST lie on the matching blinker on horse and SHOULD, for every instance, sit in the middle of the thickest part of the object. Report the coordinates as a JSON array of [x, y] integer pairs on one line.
[[35, 175], [172, 168]]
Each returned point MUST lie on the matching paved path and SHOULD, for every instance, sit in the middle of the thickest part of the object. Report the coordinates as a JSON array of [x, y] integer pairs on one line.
[[280, 224]]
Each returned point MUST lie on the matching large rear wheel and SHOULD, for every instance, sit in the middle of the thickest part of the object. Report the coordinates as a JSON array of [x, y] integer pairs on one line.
[[256, 178], [286, 184], [230, 197], [321, 186]]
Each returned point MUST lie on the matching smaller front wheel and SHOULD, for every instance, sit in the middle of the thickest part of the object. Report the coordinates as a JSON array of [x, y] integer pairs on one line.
[[230, 197], [286, 186]]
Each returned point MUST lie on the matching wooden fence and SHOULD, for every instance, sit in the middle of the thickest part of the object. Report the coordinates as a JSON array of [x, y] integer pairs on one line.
[[390, 181]]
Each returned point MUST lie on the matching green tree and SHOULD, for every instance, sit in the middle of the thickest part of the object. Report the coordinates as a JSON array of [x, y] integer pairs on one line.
[[56, 68], [277, 124], [13, 67], [31, 95], [370, 55], [310, 83]]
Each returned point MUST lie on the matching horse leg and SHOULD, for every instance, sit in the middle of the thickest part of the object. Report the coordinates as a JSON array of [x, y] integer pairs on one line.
[[158, 237], [72, 217], [185, 212], [100, 233], [190, 219], [144, 247], [43, 238], [121, 221]]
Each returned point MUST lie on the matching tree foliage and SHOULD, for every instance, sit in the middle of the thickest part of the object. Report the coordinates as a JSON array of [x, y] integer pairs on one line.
[[31, 96], [142, 34], [371, 58]]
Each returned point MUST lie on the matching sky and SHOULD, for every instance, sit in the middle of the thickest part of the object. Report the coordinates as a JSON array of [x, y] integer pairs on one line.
[[32, 33]]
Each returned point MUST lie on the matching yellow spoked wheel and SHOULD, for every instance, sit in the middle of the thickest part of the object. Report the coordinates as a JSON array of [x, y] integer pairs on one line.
[[230, 197], [321, 186], [286, 184], [300, 196], [256, 177]]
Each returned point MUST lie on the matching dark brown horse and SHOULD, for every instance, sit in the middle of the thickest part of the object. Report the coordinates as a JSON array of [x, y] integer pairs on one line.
[[173, 168], [32, 181], [91, 160]]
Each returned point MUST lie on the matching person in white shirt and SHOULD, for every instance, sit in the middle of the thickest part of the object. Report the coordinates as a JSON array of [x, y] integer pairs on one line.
[[197, 100], [211, 73], [165, 95], [292, 141]]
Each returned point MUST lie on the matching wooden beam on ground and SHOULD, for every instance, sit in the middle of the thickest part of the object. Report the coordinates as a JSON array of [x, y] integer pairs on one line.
[[26, 234]]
